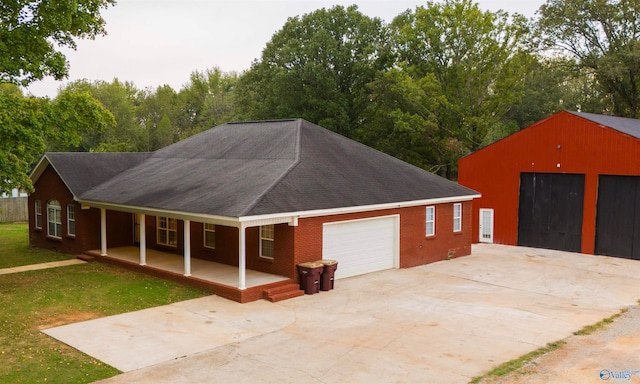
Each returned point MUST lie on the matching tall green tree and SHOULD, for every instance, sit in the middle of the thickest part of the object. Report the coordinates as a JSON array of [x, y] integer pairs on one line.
[[32, 31], [73, 116], [206, 100], [401, 120], [602, 36], [21, 125], [553, 84], [159, 112], [479, 59], [26, 123], [31, 34], [122, 100], [316, 67]]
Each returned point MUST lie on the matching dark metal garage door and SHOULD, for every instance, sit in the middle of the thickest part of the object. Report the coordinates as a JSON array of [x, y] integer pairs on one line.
[[550, 211], [618, 216]]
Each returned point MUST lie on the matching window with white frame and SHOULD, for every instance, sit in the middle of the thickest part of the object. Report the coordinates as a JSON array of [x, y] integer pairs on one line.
[[430, 221], [71, 220], [166, 231], [210, 235], [457, 217], [54, 219], [38, 210], [267, 241]]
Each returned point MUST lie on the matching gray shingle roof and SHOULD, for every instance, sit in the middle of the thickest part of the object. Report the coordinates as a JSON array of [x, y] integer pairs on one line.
[[82, 171], [623, 124], [334, 171], [260, 168]]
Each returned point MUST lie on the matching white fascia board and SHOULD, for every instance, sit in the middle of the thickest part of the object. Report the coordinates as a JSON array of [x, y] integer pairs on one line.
[[39, 168], [197, 217], [292, 217]]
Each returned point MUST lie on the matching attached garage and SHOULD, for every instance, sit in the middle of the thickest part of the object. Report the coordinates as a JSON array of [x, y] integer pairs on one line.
[[362, 246], [618, 216], [568, 182], [550, 211]]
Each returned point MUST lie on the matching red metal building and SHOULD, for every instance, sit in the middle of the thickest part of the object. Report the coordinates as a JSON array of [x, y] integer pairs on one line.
[[569, 182]]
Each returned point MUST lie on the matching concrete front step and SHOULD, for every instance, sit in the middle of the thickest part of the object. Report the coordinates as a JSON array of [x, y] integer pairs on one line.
[[282, 292]]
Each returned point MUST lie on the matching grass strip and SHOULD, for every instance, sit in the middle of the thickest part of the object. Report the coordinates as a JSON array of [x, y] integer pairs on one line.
[[35, 300], [15, 250], [518, 363], [589, 329], [514, 365]]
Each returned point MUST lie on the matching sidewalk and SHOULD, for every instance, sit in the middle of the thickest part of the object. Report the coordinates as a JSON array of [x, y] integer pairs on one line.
[[33, 267]]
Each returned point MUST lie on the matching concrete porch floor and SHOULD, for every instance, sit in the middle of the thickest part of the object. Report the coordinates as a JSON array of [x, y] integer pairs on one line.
[[201, 269]]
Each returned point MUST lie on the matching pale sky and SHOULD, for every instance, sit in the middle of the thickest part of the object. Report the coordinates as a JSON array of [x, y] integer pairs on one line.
[[157, 42]]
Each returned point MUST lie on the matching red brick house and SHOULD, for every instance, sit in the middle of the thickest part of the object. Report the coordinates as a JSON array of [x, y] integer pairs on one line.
[[569, 182], [258, 196]]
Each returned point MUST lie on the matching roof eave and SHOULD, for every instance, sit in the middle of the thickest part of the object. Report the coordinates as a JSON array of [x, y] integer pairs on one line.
[[293, 216], [182, 215], [290, 218]]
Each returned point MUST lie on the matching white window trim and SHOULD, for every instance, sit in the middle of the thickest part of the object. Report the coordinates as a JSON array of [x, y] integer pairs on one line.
[[54, 208], [204, 235], [457, 219], [272, 239], [69, 220], [432, 221], [38, 214], [167, 230]]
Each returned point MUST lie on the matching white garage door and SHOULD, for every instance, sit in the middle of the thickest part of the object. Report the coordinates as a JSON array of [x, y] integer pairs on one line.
[[362, 246]]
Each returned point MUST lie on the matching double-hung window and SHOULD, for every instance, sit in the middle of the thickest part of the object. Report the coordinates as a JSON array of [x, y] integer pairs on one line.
[[210, 235], [38, 210], [430, 221], [267, 240], [167, 231], [71, 220], [457, 217], [54, 219]]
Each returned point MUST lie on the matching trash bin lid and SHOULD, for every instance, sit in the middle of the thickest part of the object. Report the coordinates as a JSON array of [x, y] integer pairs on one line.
[[327, 262], [313, 264]]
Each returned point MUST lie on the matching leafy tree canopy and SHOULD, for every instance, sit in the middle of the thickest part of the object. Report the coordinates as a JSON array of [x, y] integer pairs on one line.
[[602, 36], [31, 33], [478, 58], [26, 123], [316, 67]]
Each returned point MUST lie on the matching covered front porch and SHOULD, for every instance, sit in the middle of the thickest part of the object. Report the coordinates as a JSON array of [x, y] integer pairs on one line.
[[218, 278]]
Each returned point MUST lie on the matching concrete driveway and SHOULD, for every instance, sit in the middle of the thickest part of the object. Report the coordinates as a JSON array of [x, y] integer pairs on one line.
[[442, 322]]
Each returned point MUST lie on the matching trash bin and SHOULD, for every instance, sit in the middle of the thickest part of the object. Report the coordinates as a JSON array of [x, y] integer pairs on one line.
[[328, 273], [310, 277]]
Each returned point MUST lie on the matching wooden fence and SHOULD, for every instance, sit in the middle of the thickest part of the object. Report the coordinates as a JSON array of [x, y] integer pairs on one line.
[[13, 209]]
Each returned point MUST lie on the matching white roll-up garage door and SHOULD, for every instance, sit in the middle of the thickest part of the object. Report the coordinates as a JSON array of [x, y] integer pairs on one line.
[[362, 246]]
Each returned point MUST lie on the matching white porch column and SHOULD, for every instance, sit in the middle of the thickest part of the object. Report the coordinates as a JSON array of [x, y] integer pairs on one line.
[[143, 240], [242, 259], [103, 232], [187, 247]]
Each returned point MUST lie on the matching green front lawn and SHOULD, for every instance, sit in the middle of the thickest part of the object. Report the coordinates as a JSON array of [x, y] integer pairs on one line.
[[41, 299], [15, 250]]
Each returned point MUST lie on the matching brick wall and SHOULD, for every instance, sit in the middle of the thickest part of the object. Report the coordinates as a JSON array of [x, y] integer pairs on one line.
[[415, 247], [50, 187], [293, 245]]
